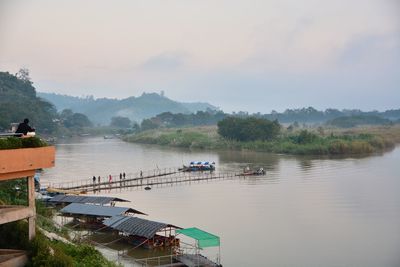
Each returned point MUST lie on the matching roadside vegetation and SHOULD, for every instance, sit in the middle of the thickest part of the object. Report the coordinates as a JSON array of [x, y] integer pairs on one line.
[[251, 134]]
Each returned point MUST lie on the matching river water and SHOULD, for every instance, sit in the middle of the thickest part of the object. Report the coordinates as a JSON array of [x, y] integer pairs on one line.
[[306, 211]]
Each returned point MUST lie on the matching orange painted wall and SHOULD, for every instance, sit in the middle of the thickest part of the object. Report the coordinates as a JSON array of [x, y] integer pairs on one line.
[[16, 163]]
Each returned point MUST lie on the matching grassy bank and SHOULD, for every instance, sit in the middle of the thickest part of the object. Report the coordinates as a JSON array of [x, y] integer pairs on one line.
[[302, 142]]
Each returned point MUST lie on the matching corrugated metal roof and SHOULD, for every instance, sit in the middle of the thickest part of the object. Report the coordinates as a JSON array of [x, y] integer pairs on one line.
[[136, 226], [96, 210], [114, 221], [85, 199]]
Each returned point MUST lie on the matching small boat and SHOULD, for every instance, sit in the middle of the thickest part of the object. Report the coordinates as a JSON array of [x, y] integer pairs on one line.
[[248, 172], [108, 137], [198, 166]]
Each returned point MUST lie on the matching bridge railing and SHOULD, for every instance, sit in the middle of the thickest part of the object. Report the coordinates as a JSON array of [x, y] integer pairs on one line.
[[115, 179], [159, 178]]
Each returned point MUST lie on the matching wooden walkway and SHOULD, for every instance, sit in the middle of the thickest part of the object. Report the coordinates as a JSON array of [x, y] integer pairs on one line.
[[152, 179], [187, 260]]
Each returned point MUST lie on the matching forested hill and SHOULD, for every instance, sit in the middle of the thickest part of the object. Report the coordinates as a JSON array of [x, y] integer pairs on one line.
[[101, 110], [18, 100]]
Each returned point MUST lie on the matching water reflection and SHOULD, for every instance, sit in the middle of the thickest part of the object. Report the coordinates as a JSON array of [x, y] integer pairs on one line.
[[305, 164], [238, 161]]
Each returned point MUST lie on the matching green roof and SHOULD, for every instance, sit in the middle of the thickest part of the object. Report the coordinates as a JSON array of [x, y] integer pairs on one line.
[[204, 239]]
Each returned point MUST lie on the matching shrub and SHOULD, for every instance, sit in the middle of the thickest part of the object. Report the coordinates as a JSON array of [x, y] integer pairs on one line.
[[10, 143], [360, 147], [16, 142], [305, 137], [338, 147]]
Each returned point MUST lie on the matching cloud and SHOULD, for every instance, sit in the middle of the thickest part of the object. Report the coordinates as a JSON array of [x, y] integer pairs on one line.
[[166, 61], [257, 56], [370, 51]]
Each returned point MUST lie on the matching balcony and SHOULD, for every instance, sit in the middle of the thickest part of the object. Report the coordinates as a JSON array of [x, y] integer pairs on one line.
[[22, 163]]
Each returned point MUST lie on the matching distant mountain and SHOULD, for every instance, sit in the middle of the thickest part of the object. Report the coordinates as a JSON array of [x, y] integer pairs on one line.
[[101, 110]]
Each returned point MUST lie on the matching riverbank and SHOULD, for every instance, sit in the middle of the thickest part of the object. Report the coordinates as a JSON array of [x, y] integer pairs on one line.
[[316, 141]]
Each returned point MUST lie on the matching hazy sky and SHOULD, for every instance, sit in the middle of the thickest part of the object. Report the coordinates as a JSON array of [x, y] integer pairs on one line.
[[238, 55]]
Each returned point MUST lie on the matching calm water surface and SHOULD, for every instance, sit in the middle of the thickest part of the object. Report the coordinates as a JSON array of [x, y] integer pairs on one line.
[[305, 212]]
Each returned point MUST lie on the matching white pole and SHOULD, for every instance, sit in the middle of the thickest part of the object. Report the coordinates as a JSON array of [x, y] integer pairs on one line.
[[197, 252], [219, 254]]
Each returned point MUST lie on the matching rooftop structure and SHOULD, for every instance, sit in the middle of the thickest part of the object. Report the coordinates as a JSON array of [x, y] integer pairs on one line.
[[137, 226], [203, 240], [63, 199], [78, 209]]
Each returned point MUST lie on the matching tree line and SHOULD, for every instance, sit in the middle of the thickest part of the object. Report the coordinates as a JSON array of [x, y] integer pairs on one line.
[[168, 119], [18, 100], [312, 115]]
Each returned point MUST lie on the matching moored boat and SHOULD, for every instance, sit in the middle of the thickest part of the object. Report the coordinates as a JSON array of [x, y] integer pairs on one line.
[[198, 166], [248, 172]]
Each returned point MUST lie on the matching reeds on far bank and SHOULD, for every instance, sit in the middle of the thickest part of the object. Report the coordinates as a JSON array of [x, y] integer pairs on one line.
[[310, 141]]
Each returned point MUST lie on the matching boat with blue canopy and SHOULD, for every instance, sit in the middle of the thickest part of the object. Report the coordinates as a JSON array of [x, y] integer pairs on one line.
[[198, 166]]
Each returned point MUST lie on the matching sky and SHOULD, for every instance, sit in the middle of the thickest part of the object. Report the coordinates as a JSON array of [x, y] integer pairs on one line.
[[252, 55]]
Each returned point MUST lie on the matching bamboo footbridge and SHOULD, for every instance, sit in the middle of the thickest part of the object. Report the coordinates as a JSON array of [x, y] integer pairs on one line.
[[146, 180]]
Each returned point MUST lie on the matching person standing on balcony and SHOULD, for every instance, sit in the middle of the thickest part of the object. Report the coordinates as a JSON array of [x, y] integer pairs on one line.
[[24, 127]]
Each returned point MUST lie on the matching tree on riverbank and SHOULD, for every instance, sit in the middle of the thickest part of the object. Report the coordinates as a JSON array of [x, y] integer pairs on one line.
[[120, 122], [248, 129]]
